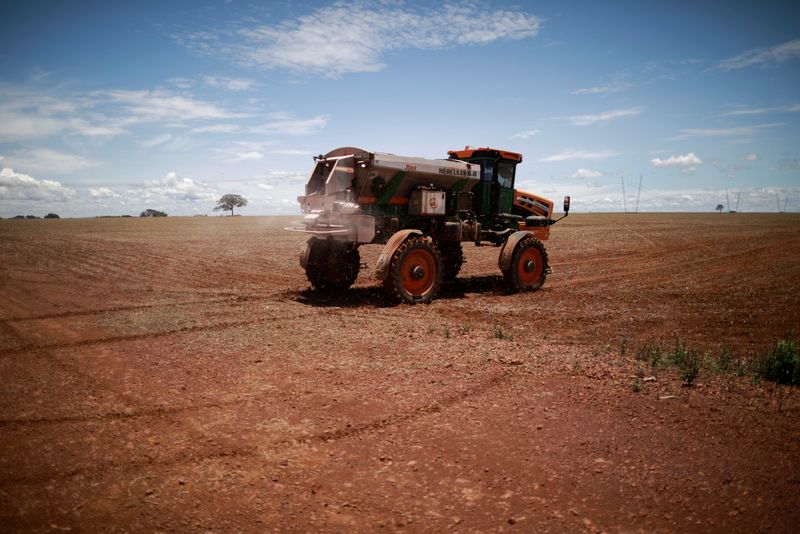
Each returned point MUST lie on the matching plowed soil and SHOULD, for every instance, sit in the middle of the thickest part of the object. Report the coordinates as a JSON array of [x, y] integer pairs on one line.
[[178, 375]]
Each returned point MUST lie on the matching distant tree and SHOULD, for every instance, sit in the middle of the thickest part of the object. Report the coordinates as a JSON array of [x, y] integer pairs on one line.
[[720, 207], [152, 213], [32, 217], [52, 216], [228, 202], [18, 217]]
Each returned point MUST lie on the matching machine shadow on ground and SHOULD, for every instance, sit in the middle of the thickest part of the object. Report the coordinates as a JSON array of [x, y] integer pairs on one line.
[[357, 297]]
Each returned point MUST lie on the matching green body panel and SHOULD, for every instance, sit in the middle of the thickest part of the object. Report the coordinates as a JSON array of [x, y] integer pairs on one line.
[[483, 198], [506, 200], [391, 188]]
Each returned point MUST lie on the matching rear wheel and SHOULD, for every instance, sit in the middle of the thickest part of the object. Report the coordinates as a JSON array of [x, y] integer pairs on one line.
[[332, 265], [415, 272], [528, 268], [452, 259]]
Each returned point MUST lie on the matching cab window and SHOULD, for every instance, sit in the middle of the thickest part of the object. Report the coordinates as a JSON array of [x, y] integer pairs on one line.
[[487, 171], [505, 174]]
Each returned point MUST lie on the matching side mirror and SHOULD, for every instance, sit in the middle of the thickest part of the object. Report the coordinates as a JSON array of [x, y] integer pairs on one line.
[[566, 204]]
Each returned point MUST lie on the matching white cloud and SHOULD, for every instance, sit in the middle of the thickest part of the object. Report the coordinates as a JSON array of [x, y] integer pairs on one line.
[[167, 141], [49, 161], [100, 193], [26, 114], [725, 132], [217, 128], [266, 187], [157, 140], [688, 161], [289, 126], [244, 156], [616, 86], [161, 105], [586, 173], [181, 83], [527, 134], [231, 84], [750, 157], [581, 154], [291, 152], [177, 188], [354, 37], [761, 111], [18, 186], [15, 126], [586, 120], [762, 56], [282, 177]]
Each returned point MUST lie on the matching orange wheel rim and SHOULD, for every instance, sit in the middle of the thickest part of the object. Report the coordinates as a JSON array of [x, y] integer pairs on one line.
[[419, 272], [530, 265]]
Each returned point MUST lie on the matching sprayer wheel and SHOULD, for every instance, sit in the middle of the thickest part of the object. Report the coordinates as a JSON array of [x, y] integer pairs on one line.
[[528, 268], [415, 272], [332, 265]]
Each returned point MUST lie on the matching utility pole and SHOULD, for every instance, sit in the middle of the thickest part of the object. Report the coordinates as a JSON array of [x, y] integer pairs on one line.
[[624, 198], [727, 200], [638, 193]]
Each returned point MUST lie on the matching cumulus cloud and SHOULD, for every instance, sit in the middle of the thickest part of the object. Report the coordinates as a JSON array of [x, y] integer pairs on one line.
[[18, 186], [101, 193], [177, 188], [586, 120], [586, 173], [762, 56], [687, 162], [750, 157], [581, 154], [355, 36]]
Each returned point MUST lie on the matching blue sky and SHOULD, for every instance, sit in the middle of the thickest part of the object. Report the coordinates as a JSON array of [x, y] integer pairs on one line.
[[114, 107]]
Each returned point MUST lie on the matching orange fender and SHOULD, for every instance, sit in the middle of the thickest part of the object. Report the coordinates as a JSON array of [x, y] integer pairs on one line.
[[385, 259], [508, 248]]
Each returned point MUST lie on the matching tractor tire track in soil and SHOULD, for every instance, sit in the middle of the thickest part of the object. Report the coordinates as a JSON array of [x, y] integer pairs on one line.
[[193, 457]]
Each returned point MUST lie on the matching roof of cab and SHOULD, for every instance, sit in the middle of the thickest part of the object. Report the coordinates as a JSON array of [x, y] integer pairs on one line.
[[469, 151]]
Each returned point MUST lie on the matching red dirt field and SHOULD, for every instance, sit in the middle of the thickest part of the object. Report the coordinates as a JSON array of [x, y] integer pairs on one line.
[[177, 375]]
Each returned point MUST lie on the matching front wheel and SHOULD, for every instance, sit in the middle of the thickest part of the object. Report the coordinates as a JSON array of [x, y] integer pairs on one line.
[[332, 265], [528, 268], [415, 271]]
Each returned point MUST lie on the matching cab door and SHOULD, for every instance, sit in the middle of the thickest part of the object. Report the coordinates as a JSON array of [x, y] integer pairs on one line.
[[505, 185]]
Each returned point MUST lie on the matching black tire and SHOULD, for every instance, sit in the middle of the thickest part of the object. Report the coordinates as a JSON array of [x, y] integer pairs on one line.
[[452, 259], [332, 265], [415, 271], [528, 268]]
